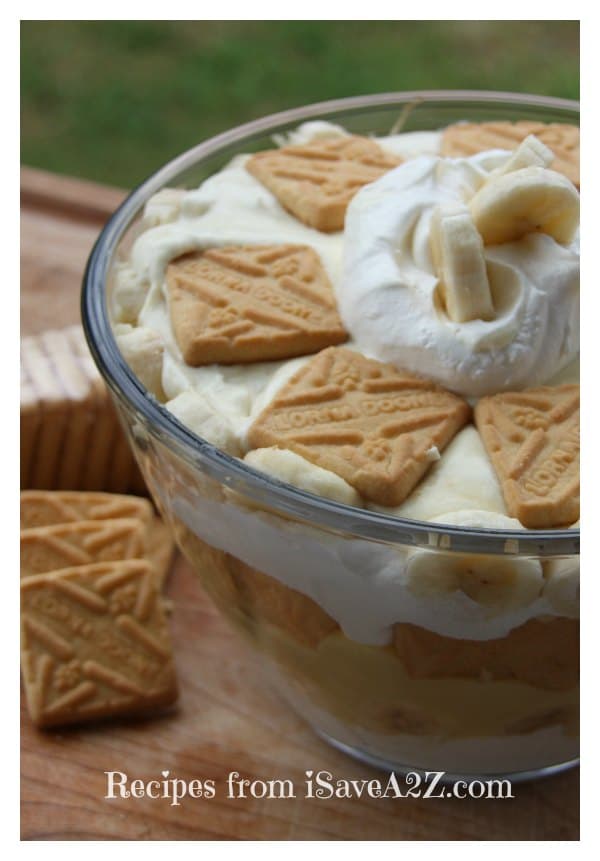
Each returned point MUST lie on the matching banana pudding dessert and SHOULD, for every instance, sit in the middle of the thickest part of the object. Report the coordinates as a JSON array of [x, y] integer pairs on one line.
[[391, 325]]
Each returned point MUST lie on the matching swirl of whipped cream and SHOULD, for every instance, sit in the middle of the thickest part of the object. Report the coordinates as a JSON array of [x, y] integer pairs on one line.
[[389, 297]]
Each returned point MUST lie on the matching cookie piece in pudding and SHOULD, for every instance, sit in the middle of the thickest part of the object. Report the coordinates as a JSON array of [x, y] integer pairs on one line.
[[251, 304], [462, 480], [266, 599], [248, 597], [374, 426], [316, 181], [532, 438], [542, 653]]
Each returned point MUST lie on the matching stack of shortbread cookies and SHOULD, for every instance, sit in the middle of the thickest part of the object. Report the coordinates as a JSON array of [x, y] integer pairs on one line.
[[71, 437], [95, 642]]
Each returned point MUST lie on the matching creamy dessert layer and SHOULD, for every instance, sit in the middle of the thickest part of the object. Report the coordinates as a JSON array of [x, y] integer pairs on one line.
[[424, 700], [398, 302]]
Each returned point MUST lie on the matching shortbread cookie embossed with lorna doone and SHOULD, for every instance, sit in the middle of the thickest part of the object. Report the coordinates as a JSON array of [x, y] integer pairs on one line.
[[532, 438], [465, 139], [375, 426], [41, 508], [251, 304], [71, 437], [51, 507], [94, 643], [50, 548], [317, 181]]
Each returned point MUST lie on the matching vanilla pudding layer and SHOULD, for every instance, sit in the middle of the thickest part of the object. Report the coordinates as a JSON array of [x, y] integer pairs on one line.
[[480, 755], [421, 685]]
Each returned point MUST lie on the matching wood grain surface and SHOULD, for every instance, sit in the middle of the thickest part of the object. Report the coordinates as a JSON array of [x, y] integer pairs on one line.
[[60, 221], [227, 719]]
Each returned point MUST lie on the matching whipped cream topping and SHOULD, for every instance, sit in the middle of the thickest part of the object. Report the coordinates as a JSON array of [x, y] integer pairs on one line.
[[365, 587], [388, 294]]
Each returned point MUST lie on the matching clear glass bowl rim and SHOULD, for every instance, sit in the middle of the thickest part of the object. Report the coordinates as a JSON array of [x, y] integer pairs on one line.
[[197, 452]]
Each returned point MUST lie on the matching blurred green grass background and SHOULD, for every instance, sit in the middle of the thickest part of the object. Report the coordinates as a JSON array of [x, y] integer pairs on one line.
[[112, 100]]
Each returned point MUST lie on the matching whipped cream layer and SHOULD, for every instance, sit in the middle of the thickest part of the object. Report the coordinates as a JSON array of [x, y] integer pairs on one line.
[[367, 586], [388, 294]]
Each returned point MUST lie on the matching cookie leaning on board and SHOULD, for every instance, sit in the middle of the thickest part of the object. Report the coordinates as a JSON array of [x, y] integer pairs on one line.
[[64, 545], [94, 638], [48, 508]]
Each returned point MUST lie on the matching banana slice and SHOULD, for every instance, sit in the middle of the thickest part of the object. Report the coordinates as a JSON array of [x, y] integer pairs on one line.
[[294, 469], [529, 200], [496, 582], [562, 586], [143, 350], [457, 254], [530, 153], [199, 414], [163, 207]]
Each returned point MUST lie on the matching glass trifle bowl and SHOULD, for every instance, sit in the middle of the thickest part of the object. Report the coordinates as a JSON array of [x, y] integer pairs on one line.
[[445, 643]]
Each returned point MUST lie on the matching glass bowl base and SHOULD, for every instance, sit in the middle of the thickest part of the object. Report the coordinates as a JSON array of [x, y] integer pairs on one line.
[[515, 758], [446, 777]]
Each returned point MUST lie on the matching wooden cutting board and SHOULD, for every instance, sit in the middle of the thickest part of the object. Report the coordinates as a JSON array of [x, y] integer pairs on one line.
[[227, 719]]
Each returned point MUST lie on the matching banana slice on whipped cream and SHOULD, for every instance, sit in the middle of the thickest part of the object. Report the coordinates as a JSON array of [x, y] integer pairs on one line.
[[530, 153], [458, 258], [521, 197], [528, 200]]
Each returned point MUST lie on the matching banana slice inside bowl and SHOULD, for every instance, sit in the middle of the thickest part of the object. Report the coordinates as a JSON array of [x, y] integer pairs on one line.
[[562, 586], [497, 583]]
